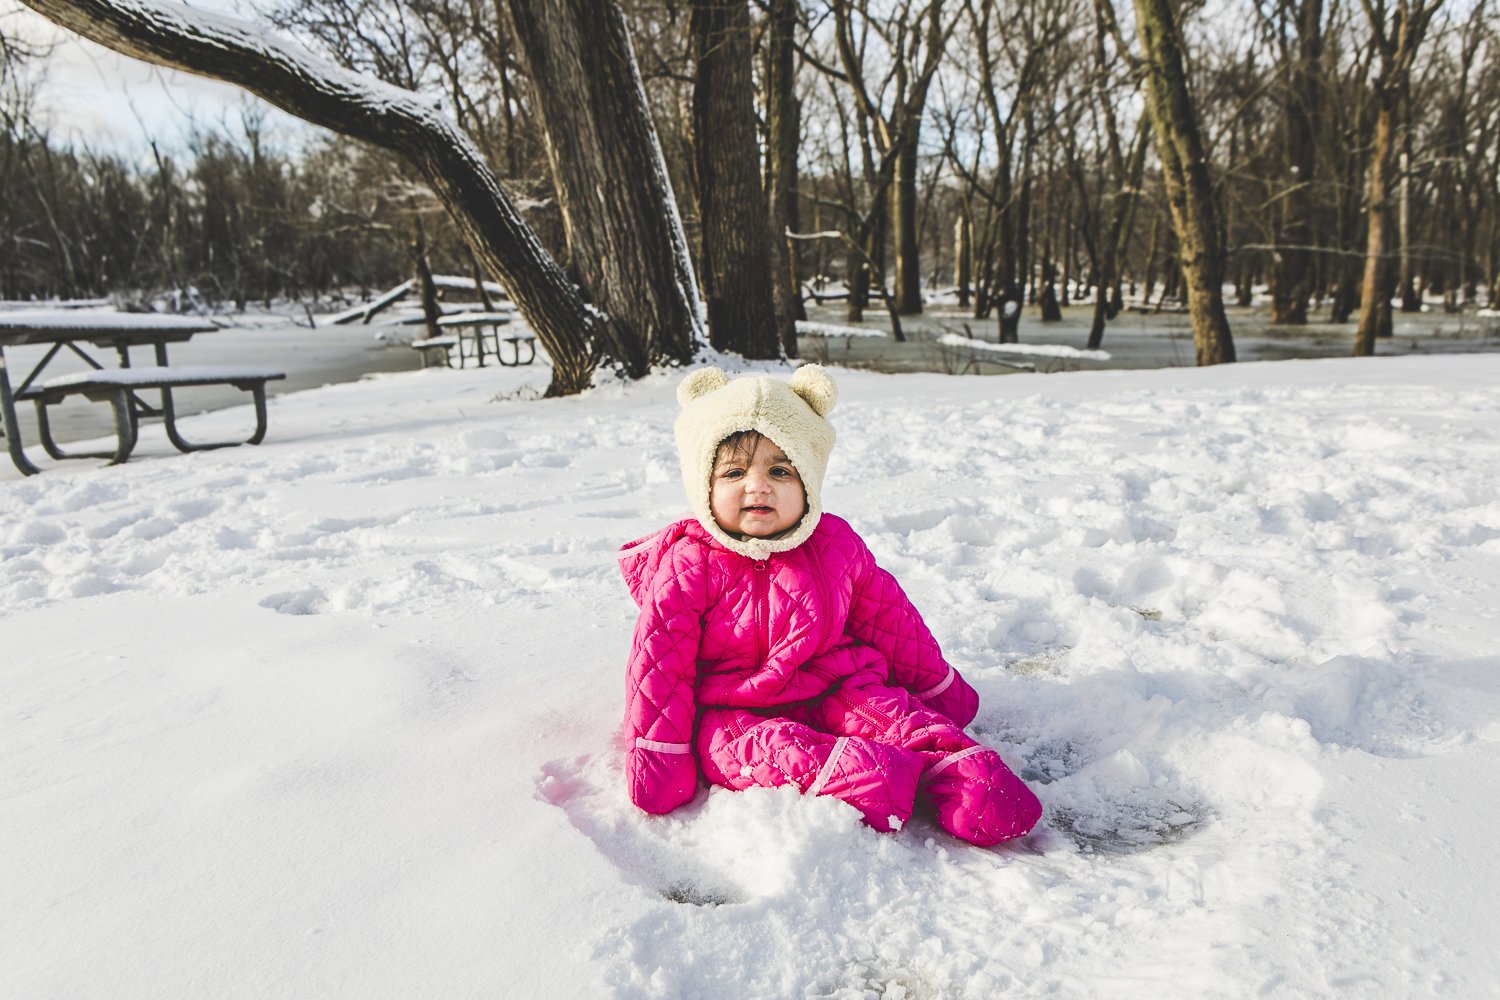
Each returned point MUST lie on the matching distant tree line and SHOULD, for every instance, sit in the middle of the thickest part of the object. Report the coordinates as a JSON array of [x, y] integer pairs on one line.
[[229, 216], [1021, 152]]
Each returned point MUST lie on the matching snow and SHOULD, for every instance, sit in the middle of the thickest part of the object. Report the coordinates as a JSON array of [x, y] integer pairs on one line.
[[1047, 350], [808, 328], [337, 715], [100, 321], [145, 376]]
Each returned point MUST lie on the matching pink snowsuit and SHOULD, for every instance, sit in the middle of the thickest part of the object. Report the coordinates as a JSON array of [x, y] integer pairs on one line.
[[810, 667]]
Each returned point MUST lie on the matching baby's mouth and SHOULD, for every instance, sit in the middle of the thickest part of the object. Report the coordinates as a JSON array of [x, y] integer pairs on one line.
[[758, 509]]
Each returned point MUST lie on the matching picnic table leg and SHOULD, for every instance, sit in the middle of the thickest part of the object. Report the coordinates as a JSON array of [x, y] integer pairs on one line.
[[124, 439], [515, 346], [479, 345], [12, 427], [126, 429], [169, 421]]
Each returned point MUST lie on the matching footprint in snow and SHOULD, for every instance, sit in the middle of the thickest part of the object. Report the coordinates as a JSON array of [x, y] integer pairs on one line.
[[1129, 827]]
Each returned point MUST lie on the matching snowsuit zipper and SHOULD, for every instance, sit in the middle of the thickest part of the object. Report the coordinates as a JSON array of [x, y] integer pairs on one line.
[[882, 722], [762, 612]]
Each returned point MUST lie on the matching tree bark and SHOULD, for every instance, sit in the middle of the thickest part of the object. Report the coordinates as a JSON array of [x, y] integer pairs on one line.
[[625, 238], [904, 218], [573, 335], [963, 253], [1397, 43], [732, 209], [1375, 293], [783, 138], [1189, 188], [426, 287], [1411, 301]]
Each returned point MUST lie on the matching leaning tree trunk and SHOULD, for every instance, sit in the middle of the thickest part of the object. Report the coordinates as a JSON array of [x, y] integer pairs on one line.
[[400, 121], [1185, 172], [731, 206], [625, 240]]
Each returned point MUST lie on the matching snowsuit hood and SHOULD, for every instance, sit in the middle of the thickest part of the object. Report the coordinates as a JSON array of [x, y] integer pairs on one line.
[[789, 413]]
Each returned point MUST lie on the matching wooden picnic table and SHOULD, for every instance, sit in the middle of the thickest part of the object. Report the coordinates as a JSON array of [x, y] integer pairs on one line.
[[70, 331]]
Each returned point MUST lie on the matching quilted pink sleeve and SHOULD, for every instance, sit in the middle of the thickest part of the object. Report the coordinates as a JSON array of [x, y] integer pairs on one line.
[[881, 615], [660, 768]]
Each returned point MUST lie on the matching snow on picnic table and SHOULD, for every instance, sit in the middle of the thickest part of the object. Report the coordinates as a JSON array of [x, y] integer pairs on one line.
[[336, 716], [101, 321]]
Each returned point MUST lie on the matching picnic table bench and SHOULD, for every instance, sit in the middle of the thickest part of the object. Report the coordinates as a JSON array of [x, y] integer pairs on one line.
[[117, 386]]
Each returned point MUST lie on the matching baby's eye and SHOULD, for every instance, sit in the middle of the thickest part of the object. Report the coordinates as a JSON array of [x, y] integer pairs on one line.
[[782, 471], [731, 473]]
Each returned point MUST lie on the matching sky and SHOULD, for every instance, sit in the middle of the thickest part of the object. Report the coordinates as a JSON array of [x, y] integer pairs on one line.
[[94, 95]]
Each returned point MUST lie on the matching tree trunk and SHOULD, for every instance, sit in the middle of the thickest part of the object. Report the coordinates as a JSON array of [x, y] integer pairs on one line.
[[904, 218], [784, 137], [1410, 301], [1185, 171], [426, 288], [1107, 302], [292, 79], [1051, 308], [963, 254], [1375, 297], [732, 210], [625, 239], [1148, 281], [1291, 270]]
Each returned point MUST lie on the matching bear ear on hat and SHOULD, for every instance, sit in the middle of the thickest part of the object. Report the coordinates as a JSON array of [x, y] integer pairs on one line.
[[700, 383], [815, 385]]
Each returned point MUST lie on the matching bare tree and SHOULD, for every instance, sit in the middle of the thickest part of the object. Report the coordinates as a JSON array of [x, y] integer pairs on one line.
[[915, 38], [1296, 29], [1185, 174], [1397, 30]]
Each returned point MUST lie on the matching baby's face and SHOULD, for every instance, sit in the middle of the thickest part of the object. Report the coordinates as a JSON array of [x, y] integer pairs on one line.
[[757, 494]]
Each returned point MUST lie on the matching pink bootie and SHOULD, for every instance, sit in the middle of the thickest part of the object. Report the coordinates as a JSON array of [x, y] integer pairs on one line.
[[978, 799], [877, 779]]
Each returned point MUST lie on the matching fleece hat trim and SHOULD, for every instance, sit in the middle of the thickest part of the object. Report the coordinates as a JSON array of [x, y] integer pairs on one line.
[[791, 413]]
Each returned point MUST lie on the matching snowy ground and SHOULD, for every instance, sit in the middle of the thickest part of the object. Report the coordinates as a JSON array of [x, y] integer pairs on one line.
[[336, 716]]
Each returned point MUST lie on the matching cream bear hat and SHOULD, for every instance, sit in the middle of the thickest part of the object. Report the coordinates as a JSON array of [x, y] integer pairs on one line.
[[789, 413]]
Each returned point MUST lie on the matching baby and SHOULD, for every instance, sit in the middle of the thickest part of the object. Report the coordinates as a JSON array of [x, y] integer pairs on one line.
[[772, 650]]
